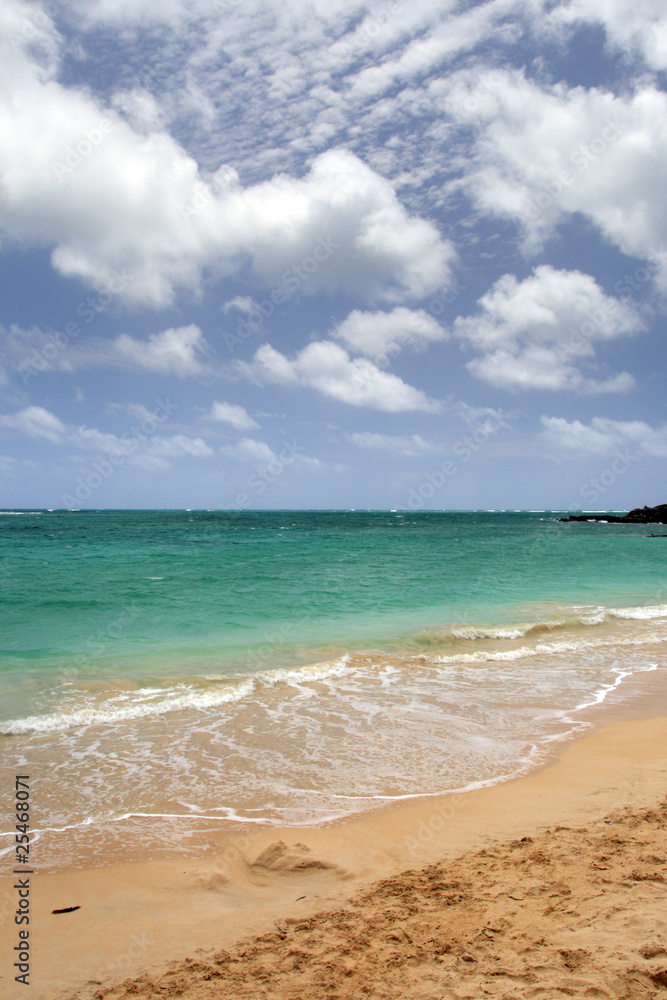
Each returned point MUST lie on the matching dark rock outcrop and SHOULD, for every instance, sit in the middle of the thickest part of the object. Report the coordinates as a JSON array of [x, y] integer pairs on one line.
[[640, 515]]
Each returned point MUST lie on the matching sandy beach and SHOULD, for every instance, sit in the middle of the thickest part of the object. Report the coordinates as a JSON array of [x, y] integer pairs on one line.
[[548, 885]]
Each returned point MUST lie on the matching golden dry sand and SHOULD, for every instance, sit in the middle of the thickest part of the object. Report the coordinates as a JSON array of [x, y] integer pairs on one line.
[[575, 912]]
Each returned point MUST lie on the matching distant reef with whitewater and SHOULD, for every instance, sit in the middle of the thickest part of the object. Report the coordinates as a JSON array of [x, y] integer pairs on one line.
[[640, 515]]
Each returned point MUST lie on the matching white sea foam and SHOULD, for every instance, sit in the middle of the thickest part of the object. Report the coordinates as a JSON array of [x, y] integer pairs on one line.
[[604, 691], [590, 617], [525, 652], [146, 702], [595, 618], [474, 632], [640, 613]]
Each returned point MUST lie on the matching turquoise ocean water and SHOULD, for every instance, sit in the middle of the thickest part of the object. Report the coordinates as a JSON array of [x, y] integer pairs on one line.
[[292, 667]]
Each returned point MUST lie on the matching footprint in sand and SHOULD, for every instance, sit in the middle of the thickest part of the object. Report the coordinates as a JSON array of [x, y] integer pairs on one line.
[[209, 879], [292, 859]]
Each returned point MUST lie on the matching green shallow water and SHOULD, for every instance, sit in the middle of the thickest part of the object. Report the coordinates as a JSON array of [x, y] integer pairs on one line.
[[184, 591]]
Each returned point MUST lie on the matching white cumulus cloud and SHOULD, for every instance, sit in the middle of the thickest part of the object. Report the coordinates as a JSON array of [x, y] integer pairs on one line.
[[380, 335], [604, 435], [173, 351], [328, 368], [538, 333], [543, 152], [640, 27], [106, 197]]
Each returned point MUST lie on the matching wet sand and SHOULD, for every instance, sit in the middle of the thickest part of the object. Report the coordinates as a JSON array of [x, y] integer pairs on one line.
[[438, 897]]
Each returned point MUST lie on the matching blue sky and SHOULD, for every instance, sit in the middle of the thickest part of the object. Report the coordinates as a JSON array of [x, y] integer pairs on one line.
[[333, 254]]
